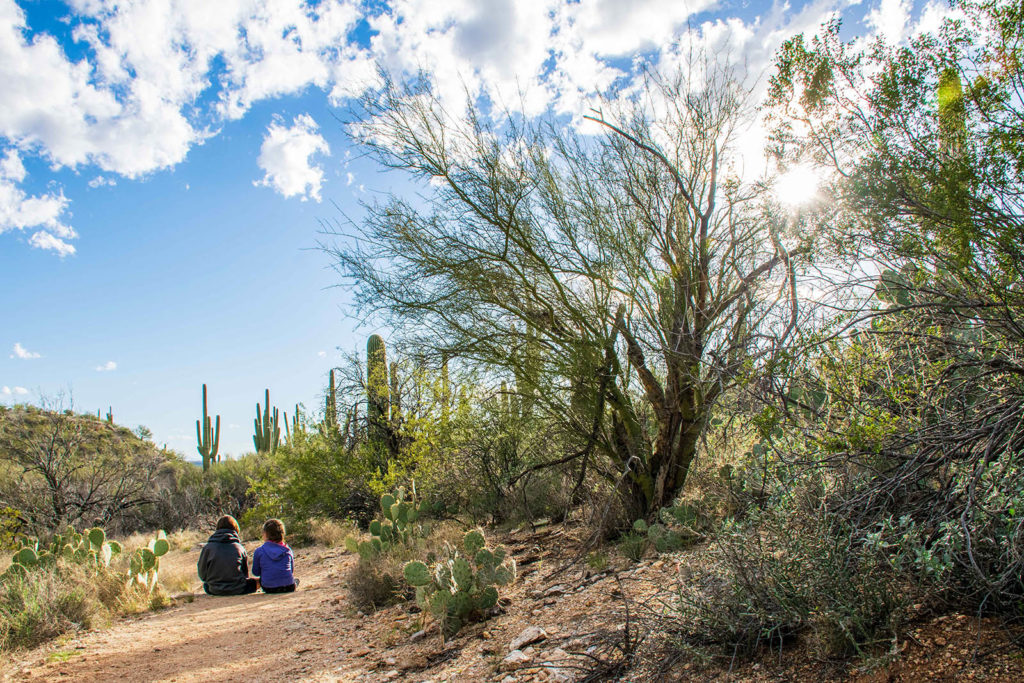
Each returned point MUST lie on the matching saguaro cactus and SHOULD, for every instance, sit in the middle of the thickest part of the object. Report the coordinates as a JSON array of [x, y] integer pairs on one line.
[[396, 394], [207, 436], [268, 433], [376, 380], [296, 425], [330, 425]]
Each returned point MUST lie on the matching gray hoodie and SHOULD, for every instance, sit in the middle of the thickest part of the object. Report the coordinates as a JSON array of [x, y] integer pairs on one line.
[[223, 566]]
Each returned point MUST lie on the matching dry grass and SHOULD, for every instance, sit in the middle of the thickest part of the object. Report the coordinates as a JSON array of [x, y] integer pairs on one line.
[[50, 601], [330, 533]]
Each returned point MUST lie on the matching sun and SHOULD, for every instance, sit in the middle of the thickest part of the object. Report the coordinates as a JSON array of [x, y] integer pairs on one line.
[[798, 185]]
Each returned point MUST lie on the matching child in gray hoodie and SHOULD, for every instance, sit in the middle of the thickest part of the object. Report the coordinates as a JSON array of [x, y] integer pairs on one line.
[[223, 566]]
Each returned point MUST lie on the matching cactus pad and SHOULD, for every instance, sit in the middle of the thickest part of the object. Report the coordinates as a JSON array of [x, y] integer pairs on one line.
[[417, 574]]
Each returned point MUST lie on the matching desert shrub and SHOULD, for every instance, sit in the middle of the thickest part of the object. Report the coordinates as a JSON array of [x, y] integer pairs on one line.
[[781, 574], [633, 545], [10, 527], [44, 603], [313, 476], [326, 532], [376, 582]]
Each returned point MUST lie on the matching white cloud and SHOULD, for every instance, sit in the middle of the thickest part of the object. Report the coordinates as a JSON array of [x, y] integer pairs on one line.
[[44, 240], [20, 351], [890, 19], [41, 214], [102, 181], [322, 354], [107, 367], [15, 391], [285, 158], [349, 178]]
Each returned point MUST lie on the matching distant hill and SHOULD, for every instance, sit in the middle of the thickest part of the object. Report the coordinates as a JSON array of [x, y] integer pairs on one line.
[[62, 467]]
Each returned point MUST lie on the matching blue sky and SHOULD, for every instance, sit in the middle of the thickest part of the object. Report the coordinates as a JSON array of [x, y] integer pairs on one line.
[[165, 167]]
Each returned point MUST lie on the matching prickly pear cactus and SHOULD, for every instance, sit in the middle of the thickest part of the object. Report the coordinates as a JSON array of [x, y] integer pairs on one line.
[[398, 526], [91, 549], [144, 563], [457, 589]]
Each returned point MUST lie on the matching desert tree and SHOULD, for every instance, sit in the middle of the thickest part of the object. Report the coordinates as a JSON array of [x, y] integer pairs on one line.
[[920, 408], [625, 277]]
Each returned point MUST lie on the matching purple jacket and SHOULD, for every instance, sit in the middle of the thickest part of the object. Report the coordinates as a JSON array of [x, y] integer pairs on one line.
[[272, 562]]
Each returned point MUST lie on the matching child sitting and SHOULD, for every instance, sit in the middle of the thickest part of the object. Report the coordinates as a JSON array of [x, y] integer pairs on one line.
[[273, 561], [222, 565]]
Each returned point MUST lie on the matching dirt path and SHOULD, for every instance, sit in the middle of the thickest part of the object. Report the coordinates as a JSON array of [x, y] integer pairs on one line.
[[253, 637]]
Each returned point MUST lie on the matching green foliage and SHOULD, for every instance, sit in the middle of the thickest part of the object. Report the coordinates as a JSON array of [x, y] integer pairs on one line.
[[634, 544], [10, 527], [207, 436], [781, 574], [267, 436], [463, 585]]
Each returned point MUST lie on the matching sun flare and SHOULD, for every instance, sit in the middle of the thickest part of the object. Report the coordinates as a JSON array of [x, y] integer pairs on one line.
[[798, 185]]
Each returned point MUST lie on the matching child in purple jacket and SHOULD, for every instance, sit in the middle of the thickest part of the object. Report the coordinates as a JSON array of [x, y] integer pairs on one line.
[[273, 561]]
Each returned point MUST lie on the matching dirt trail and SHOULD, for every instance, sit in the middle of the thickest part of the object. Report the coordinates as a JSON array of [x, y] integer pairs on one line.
[[252, 637]]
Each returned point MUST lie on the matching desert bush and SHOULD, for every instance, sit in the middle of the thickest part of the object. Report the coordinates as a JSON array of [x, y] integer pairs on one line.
[[782, 574], [43, 604], [59, 468], [633, 545]]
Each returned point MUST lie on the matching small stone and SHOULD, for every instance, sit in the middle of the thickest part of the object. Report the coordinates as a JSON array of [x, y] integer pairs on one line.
[[554, 590], [531, 634], [514, 660], [390, 661], [419, 635], [391, 674]]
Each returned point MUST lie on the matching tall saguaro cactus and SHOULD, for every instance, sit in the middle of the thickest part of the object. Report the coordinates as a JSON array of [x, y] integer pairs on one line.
[[330, 425], [207, 436], [296, 425], [377, 407], [268, 433], [396, 394]]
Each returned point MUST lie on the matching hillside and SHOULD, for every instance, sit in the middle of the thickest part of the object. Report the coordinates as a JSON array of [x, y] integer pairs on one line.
[[58, 467]]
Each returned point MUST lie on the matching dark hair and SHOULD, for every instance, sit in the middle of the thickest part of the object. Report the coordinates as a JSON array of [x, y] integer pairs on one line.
[[228, 522], [274, 529]]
